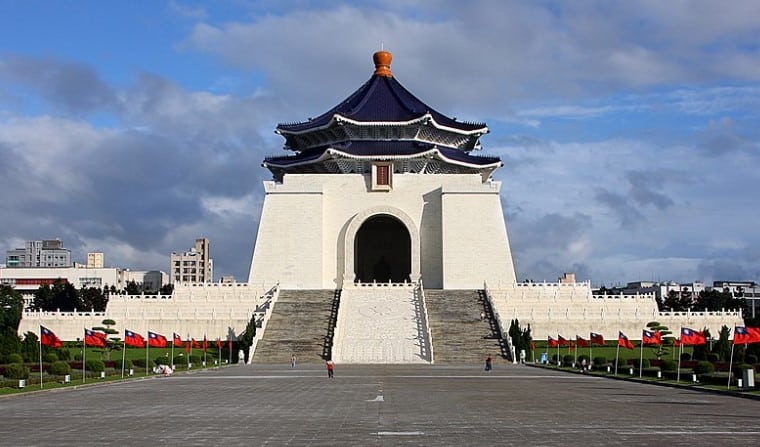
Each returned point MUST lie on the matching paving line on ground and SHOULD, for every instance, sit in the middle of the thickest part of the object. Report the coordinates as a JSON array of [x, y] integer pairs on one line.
[[364, 376]]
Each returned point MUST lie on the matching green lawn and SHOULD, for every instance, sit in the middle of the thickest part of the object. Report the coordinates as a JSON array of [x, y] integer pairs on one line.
[[608, 352]]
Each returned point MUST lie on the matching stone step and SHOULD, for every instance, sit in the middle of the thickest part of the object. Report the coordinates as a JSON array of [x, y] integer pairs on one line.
[[459, 334], [298, 325]]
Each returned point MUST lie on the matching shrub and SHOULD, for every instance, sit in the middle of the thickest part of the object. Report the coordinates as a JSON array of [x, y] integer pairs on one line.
[[50, 357], [95, 365], [581, 358], [752, 359], [16, 371], [59, 368], [138, 363], [127, 364], [194, 359], [14, 358], [64, 354], [669, 365], [78, 357], [567, 360], [741, 366], [180, 360], [555, 359], [713, 357], [600, 360], [685, 356], [704, 367], [161, 360], [644, 363]]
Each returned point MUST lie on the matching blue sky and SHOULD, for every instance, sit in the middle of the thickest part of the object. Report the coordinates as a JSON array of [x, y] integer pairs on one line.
[[628, 130]]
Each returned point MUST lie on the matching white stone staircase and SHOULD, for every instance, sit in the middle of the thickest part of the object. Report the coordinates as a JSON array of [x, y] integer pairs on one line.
[[382, 323]]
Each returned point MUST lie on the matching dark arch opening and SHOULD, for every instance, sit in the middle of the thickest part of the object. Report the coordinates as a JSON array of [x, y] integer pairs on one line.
[[383, 250]]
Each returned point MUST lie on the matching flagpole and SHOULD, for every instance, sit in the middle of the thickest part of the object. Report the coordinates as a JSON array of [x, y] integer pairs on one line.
[[84, 356], [559, 358], [617, 356], [40, 356], [680, 351], [172, 362], [641, 358], [123, 357], [730, 364], [147, 351], [229, 348]]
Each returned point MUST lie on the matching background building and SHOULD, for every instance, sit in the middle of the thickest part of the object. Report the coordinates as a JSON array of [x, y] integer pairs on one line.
[[194, 266], [47, 253], [95, 260]]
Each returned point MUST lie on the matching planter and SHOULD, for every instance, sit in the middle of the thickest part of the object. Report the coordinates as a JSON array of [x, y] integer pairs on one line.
[[22, 383], [67, 378]]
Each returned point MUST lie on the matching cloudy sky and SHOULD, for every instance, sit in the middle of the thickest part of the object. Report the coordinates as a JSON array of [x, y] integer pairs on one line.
[[629, 130]]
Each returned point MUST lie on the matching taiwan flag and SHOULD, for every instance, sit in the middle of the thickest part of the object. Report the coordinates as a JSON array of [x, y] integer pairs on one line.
[[744, 335], [218, 343], [624, 342], [156, 340], [205, 344], [48, 338], [597, 339], [92, 338], [196, 345], [552, 342], [690, 337], [177, 340], [581, 342], [651, 337], [572, 345], [133, 339], [188, 345], [561, 340]]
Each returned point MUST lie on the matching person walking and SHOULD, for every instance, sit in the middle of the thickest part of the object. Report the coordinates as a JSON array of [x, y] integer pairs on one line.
[[330, 368], [489, 362], [293, 361]]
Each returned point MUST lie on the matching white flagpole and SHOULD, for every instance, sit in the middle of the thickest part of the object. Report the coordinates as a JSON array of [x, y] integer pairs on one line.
[[205, 348], [680, 351], [40, 356], [84, 356], [147, 351], [123, 357], [730, 364], [219, 342], [641, 357], [617, 355], [559, 358], [172, 361]]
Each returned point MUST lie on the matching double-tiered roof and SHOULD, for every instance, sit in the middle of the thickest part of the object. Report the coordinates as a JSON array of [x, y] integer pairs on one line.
[[382, 121]]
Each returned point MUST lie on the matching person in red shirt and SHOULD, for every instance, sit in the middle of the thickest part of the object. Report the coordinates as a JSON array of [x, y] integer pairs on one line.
[[330, 368]]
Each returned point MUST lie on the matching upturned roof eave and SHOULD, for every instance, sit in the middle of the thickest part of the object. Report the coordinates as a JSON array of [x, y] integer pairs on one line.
[[337, 118]]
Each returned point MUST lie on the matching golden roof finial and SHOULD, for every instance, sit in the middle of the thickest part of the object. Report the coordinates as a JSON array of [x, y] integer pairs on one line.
[[382, 61]]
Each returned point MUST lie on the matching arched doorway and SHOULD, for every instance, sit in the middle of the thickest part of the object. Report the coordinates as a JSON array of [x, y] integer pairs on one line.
[[383, 250]]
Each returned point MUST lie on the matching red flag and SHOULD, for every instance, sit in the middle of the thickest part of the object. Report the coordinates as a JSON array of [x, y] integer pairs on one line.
[[624, 342], [677, 342], [651, 337], [156, 340], [218, 343], [572, 345], [205, 344], [133, 339], [532, 345], [690, 337], [177, 340], [581, 342], [48, 338], [188, 345], [92, 338], [744, 335], [553, 343], [196, 345], [561, 340], [229, 344], [597, 339]]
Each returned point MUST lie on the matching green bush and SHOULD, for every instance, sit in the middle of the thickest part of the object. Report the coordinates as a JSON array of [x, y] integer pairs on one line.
[[127, 364], [180, 360], [138, 363], [669, 365], [568, 359], [14, 358], [555, 359], [50, 357], [752, 359], [685, 357], [64, 354], [644, 363], [704, 367], [78, 357], [59, 368], [95, 365], [194, 359], [600, 360], [713, 357], [16, 371], [741, 366]]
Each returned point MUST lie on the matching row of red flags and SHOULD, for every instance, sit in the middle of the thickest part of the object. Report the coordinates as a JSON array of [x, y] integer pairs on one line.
[[131, 338], [689, 337]]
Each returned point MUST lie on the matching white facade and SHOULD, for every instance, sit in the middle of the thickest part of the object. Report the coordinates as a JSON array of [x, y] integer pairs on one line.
[[307, 233]]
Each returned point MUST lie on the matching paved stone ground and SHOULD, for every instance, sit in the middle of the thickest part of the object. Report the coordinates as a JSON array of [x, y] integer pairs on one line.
[[377, 405]]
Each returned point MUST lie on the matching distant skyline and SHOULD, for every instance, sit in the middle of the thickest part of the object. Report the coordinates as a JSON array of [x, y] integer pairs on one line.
[[628, 130]]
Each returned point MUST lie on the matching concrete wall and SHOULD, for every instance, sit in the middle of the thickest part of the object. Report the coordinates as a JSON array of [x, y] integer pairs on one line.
[[301, 241], [554, 309], [195, 310]]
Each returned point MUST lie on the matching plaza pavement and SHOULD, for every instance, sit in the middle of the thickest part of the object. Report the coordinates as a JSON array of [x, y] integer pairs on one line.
[[377, 405]]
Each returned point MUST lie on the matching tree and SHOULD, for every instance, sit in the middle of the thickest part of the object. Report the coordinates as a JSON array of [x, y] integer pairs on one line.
[[112, 343], [167, 289], [43, 298], [521, 338], [11, 306], [133, 288], [30, 347], [660, 350], [93, 298], [246, 340], [723, 346], [65, 296], [715, 300], [701, 351]]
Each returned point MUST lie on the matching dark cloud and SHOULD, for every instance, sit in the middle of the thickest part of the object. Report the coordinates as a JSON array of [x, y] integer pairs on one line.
[[72, 86]]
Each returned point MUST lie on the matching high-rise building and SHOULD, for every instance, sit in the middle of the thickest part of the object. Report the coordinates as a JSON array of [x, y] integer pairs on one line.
[[46, 253], [194, 266], [95, 260]]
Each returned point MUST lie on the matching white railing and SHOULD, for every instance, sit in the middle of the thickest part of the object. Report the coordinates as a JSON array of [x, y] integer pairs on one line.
[[428, 332], [265, 311]]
